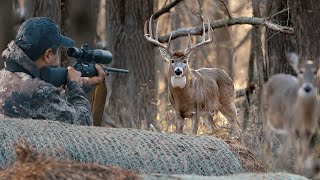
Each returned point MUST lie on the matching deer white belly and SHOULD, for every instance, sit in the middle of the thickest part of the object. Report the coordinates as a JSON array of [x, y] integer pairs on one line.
[[178, 81]]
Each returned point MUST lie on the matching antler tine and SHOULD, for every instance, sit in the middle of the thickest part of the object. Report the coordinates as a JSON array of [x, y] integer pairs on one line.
[[210, 31], [150, 27], [157, 38], [203, 32], [146, 28], [169, 45], [189, 43], [155, 41], [204, 41]]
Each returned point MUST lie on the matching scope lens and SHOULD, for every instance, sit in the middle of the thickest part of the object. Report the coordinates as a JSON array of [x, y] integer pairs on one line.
[[74, 52]]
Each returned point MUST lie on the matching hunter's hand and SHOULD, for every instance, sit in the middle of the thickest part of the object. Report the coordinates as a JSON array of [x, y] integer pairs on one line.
[[93, 81], [74, 75]]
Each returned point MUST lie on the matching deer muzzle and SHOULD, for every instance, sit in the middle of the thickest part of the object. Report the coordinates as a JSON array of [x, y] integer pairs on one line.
[[178, 72], [307, 90]]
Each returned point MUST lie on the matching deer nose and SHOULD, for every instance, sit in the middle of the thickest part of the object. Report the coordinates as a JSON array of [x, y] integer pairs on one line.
[[178, 72], [307, 88]]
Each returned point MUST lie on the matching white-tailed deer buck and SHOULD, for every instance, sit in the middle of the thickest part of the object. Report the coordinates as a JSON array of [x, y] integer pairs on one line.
[[195, 93], [290, 107]]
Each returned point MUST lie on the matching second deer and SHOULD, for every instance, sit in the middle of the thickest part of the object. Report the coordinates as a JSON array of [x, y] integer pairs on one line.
[[195, 93], [290, 107]]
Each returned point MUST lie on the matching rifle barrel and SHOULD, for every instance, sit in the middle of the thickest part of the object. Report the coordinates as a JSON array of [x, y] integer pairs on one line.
[[115, 70]]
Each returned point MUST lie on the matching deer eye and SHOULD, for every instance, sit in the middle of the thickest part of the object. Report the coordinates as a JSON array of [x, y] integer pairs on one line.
[[172, 61], [184, 61]]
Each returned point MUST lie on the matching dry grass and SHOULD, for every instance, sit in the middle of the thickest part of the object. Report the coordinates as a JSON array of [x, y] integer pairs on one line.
[[31, 165], [247, 158]]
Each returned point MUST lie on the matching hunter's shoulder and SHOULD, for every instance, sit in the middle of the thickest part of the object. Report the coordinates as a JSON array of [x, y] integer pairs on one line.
[[22, 82]]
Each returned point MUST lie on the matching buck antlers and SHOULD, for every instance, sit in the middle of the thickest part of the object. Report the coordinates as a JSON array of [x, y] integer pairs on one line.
[[189, 48], [195, 93]]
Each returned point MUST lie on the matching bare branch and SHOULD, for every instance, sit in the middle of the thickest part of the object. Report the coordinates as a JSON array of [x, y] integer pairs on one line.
[[166, 9], [226, 7], [227, 22]]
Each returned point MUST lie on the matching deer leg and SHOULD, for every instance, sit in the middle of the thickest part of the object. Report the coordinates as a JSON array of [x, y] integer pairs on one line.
[[268, 135], [209, 123], [306, 147], [179, 124], [298, 161], [230, 112], [285, 153], [302, 149], [195, 124], [268, 144]]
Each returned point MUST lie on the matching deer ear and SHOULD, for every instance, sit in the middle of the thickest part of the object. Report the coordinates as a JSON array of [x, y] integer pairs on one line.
[[164, 54], [293, 60]]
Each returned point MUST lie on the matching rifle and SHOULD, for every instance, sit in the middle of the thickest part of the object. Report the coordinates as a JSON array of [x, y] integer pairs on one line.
[[86, 60]]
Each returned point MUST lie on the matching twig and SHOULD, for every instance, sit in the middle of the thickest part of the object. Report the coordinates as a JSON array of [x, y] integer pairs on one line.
[[166, 8], [272, 36], [200, 15], [227, 9], [280, 12], [227, 22]]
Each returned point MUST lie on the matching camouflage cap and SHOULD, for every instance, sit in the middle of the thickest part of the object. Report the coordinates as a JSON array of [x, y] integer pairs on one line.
[[38, 34]]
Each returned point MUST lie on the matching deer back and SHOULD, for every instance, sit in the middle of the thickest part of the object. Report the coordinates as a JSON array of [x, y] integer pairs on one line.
[[279, 96], [218, 83]]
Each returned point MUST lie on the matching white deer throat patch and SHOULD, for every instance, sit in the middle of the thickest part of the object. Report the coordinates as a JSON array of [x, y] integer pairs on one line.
[[178, 81]]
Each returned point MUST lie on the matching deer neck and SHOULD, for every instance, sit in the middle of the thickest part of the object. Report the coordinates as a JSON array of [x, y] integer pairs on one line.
[[307, 103], [306, 108]]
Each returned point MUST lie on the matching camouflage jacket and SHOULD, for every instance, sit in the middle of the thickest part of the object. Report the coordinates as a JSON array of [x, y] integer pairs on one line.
[[24, 96]]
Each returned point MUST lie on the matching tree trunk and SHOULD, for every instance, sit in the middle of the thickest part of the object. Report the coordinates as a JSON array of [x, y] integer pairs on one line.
[[43, 8], [6, 30], [257, 48], [250, 83], [304, 17], [82, 21], [222, 36], [79, 21], [131, 103]]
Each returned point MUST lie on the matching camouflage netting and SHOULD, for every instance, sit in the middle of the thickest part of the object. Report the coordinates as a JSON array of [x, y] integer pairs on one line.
[[242, 176], [32, 165], [138, 150]]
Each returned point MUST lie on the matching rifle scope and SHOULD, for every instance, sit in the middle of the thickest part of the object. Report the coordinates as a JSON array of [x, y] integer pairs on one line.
[[83, 54]]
